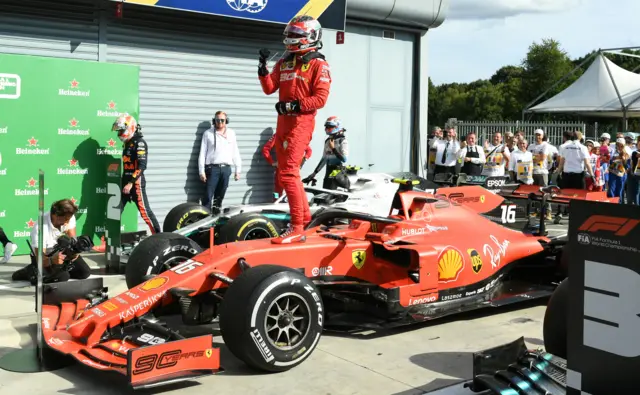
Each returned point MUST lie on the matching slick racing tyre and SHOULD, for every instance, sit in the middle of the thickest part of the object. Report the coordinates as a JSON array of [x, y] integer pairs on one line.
[[554, 327], [247, 226], [271, 318], [156, 254], [184, 214]]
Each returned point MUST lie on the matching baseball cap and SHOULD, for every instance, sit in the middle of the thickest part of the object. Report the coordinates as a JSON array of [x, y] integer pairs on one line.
[[605, 136], [539, 131], [621, 140]]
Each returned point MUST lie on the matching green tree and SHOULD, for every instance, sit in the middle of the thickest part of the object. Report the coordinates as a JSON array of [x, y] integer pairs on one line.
[[545, 64]]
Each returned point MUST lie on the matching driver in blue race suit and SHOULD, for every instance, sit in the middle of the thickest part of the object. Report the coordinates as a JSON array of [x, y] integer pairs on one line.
[[334, 155]]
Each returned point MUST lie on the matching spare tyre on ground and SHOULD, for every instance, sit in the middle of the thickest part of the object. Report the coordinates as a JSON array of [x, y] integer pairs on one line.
[[156, 254]]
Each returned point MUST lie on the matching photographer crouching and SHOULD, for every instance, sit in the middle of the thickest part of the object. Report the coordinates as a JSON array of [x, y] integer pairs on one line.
[[58, 238]]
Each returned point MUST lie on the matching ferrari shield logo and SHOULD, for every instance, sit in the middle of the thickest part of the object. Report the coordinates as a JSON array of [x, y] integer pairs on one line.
[[208, 353], [305, 67], [476, 261], [358, 257]]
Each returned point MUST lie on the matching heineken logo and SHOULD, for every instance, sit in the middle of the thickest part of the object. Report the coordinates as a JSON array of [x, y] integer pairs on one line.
[[32, 149], [73, 90], [73, 123], [110, 111], [101, 190], [25, 233], [30, 189], [30, 223], [73, 169], [9, 86], [3, 213], [4, 130], [110, 149]]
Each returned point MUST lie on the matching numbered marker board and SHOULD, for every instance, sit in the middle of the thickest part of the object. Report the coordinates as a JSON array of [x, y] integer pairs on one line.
[[604, 272]]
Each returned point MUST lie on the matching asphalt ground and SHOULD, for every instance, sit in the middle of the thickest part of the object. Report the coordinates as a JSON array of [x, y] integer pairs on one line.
[[424, 358]]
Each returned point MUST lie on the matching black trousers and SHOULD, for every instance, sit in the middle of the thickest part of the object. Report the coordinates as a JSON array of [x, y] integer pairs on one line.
[[138, 195], [3, 237], [79, 271], [572, 180]]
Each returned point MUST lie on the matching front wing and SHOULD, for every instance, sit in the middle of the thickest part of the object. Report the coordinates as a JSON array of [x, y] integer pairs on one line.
[[147, 353]]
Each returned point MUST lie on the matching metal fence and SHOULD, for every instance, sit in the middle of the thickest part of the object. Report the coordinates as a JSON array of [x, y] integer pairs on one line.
[[553, 130]]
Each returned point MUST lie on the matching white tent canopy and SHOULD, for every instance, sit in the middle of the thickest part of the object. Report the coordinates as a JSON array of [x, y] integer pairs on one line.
[[594, 93]]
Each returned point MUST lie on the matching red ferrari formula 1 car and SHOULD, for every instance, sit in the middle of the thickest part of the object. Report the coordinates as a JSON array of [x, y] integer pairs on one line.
[[432, 256]]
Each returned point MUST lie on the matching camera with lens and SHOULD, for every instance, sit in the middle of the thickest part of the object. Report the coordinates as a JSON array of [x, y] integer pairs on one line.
[[70, 246]]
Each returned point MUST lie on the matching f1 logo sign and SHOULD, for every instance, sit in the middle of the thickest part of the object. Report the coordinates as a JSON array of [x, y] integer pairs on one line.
[[621, 226], [611, 321]]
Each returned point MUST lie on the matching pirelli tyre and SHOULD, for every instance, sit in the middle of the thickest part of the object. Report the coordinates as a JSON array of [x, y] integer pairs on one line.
[[247, 226], [184, 214], [271, 318], [158, 253], [554, 326]]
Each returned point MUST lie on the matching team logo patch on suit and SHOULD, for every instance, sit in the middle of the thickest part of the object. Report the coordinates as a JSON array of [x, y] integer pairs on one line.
[[305, 67], [476, 260], [358, 257]]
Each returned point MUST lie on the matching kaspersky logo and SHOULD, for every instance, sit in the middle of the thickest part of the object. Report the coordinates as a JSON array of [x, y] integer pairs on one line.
[[110, 150], [111, 110], [72, 169], [25, 233], [32, 148], [30, 189], [73, 129], [73, 90]]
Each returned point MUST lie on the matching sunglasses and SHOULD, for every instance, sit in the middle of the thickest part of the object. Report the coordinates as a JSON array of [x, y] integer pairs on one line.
[[218, 120]]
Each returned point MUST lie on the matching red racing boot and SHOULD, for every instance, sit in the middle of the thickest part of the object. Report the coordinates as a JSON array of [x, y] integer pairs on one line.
[[295, 234]]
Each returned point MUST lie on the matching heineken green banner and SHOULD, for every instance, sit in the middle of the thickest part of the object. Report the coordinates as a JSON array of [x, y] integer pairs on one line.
[[56, 115]]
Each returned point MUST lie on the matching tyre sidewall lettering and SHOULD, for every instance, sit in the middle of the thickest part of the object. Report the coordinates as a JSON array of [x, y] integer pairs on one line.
[[285, 283], [186, 215]]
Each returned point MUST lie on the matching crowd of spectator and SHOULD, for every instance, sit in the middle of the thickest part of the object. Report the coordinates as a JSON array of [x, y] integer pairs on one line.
[[602, 165]]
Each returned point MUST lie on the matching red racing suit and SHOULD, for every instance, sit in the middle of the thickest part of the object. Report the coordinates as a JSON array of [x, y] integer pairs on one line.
[[310, 84], [266, 152]]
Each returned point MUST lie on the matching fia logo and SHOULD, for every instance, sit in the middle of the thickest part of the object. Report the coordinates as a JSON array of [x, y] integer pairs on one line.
[[584, 238], [252, 6]]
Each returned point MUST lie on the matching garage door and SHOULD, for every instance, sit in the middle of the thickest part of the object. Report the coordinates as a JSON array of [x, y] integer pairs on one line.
[[372, 88], [190, 67], [29, 28]]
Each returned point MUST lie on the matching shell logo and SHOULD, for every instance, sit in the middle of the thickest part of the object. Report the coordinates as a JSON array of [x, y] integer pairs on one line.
[[450, 264], [154, 283]]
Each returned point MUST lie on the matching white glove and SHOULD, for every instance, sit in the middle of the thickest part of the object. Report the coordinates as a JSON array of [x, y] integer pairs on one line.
[[274, 164]]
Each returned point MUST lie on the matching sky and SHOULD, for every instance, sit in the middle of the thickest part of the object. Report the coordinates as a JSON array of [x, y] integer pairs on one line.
[[480, 36]]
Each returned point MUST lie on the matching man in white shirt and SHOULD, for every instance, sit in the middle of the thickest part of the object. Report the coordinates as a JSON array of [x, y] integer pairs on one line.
[[218, 152], [540, 153], [497, 155], [446, 153], [59, 221], [472, 155], [573, 159], [521, 163]]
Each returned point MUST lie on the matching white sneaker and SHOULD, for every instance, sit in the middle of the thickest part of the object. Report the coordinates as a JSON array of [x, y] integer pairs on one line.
[[9, 249]]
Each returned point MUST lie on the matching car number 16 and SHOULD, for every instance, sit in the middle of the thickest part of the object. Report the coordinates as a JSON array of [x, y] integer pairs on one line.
[[508, 214]]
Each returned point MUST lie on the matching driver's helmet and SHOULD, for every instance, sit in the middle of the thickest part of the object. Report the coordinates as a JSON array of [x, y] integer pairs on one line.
[[333, 125], [126, 126], [302, 34]]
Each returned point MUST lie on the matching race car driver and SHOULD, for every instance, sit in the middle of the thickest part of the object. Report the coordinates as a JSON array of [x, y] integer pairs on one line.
[[134, 159], [334, 155], [266, 152], [303, 78]]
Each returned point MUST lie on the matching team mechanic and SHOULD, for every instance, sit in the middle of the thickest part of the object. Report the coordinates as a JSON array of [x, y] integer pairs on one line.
[[266, 152], [134, 158], [304, 81]]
